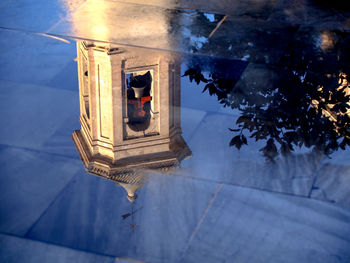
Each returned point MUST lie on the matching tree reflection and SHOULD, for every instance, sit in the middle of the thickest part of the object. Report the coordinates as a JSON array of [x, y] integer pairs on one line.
[[301, 108]]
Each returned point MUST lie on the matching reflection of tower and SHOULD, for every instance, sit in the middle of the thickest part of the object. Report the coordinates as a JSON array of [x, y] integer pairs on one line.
[[130, 110]]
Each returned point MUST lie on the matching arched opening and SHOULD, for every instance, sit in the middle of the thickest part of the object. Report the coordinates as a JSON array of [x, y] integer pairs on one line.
[[139, 85]]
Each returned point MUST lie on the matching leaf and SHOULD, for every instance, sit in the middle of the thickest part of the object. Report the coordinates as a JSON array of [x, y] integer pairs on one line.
[[212, 88], [285, 149], [221, 95], [205, 88], [236, 141], [202, 78], [198, 77], [270, 150], [190, 71], [234, 130], [244, 140], [291, 137], [342, 144], [344, 107], [254, 134], [244, 119]]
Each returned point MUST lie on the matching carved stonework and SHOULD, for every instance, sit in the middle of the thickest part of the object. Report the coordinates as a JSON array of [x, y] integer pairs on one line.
[[130, 112]]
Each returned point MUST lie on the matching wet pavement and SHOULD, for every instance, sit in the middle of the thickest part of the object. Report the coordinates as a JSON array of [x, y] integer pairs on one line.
[[226, 124]]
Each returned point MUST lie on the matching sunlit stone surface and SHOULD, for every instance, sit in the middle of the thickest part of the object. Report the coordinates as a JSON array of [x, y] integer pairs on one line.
[[256, 91]]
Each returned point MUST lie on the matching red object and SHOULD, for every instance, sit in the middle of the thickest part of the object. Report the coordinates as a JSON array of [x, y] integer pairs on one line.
[[138, 106]]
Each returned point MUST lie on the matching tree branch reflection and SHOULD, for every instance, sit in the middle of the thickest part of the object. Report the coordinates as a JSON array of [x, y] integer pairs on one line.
[[301, 108]]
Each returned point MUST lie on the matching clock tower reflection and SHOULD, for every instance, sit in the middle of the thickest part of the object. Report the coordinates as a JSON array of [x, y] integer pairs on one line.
[[129, 112]]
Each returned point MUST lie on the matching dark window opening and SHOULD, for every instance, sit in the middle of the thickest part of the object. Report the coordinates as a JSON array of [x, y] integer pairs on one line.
[[139, 99]]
